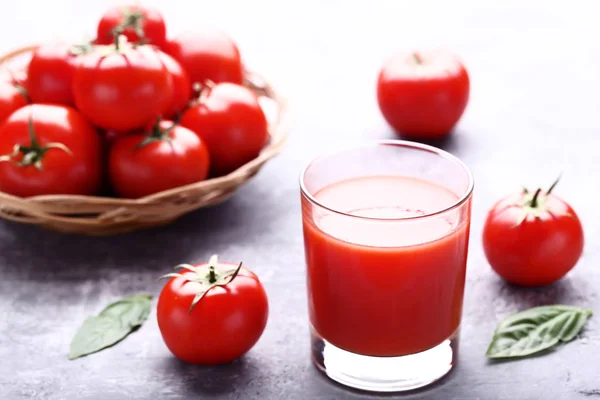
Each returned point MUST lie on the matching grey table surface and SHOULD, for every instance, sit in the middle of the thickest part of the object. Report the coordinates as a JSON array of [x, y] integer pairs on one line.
[[532, 113]]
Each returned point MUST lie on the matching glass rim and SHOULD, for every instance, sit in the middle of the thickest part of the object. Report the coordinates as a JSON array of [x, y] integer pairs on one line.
[[392, 142]]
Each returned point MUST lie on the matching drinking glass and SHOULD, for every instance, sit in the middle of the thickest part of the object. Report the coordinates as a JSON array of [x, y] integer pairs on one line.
[[386, 232]]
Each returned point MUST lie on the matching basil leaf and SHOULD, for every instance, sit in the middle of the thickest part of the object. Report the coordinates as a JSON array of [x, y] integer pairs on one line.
[[537, 329], [132, 310], [111, 326]]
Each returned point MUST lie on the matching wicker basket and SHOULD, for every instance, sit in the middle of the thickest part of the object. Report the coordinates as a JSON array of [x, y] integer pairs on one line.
[[93, 215]]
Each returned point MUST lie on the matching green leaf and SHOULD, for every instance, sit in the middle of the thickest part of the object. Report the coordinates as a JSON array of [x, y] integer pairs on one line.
[[132, 310], [537, 329], [111, 326]]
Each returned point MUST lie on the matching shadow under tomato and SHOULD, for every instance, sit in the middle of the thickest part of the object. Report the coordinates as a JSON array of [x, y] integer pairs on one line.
[[564, 291], [450, 143], [213, 380]]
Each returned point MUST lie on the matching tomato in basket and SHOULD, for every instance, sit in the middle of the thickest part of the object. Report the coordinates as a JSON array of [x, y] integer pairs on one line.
[[49, 149], [136, 21], [207, 54], [122, 87], [50, 74], [182, 89], [163, 157], [13, 93], [230, 120]]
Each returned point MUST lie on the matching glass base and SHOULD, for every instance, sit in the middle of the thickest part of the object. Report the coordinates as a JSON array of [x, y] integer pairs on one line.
[[384, 374]]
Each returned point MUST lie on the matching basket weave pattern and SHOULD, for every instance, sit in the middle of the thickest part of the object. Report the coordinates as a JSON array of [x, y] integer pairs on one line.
[[93, 215]]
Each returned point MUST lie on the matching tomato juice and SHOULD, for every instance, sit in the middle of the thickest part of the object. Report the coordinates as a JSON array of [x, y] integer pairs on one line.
[[382, 282]]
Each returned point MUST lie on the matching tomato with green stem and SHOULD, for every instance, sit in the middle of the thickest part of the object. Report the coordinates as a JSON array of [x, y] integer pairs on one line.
[[139, 23], [230, 120], [122, 87], [49, 149], [532, 239], [212, 313], [164, 157]]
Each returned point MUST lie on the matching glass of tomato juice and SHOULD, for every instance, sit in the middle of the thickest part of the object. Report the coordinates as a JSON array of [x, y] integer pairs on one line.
[[386, 233]]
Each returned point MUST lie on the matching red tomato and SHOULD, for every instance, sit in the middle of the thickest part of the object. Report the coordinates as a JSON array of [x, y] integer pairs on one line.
[[50, 74], [182, 88], [167, 157], [135, 21], [13, 94], [532, 239], [231, 123], [423, 95], [60, 154], [122, 89], [224, 324], [207, 54]]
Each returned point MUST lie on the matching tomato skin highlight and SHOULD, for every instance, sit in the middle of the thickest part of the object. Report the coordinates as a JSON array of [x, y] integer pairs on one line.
[[50, 75], [537, 252], [124, 90], [152, 24], [423, 95], [160, 165], [77, 173], [231, 123], [223, 326], [207, 54]]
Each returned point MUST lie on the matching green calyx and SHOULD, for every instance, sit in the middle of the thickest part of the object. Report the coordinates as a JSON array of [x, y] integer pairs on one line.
[[18, 84], [23, 91], [157, 134], [208, 276], [131, 19], [81, 49], [34, 153], [417, 57], [533, 204]]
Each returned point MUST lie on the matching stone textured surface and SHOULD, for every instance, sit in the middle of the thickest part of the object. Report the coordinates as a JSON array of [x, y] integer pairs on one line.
[[533, 113]]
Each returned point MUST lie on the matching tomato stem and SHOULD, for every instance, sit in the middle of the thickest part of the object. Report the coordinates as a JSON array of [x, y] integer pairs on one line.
[[535, 198], [157, 134], [206, 281], [32, 138], [82, 48], [202, 90], [212, 276], [117, 39], [132, 19], [554, 184], [21, 89], [34, 153]]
